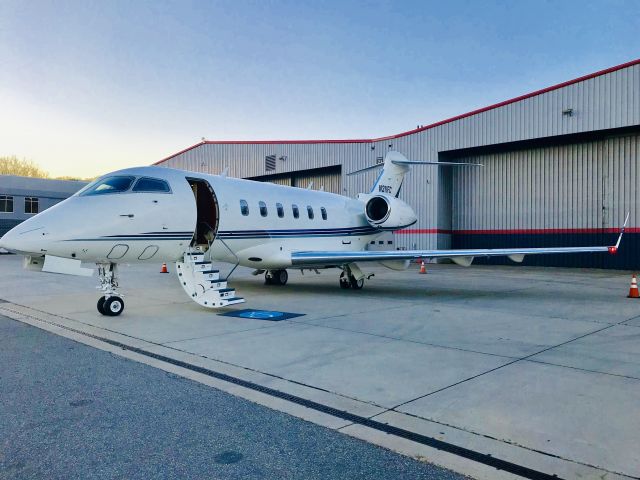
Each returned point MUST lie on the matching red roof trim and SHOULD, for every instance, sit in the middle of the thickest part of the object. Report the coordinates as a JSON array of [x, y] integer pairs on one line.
[[416, 130]]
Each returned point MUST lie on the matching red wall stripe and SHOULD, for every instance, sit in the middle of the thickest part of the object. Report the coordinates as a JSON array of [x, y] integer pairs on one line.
[[525, 231]]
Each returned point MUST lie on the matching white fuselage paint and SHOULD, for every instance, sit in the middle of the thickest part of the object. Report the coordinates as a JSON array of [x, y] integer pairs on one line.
[[135, 227]]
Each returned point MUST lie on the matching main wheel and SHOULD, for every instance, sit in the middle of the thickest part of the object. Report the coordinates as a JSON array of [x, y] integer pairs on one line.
[[344, 282], [268, 279], [100, 305], [356, 284], [113, 306], [281, 277]]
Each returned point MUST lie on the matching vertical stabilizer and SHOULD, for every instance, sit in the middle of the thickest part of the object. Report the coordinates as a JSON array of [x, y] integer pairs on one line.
[[392, 175]]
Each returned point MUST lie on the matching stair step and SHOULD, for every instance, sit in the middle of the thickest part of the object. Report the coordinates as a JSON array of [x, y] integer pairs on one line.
[[224, 290], [202, 263], [208, 271], [235, 300]]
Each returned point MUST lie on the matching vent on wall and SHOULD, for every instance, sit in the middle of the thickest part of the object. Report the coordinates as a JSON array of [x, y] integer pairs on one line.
[[270, 163]]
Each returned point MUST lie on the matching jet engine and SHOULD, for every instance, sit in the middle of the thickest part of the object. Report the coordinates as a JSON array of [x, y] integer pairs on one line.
[[388, 213]]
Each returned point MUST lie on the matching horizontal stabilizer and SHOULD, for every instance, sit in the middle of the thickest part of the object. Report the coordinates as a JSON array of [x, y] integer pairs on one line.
[[417, 162]]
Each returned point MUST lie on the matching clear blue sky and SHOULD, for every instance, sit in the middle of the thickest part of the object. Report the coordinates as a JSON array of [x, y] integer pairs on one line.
[[91, 86]]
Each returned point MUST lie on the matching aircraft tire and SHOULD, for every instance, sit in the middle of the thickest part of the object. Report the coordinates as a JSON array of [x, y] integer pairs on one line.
[[100, 305], [113, 306], [281, 277], [344, 283], [356, 284]]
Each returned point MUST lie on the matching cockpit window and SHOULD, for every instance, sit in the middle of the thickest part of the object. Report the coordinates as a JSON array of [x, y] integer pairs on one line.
[[146, 184], [106, 185]]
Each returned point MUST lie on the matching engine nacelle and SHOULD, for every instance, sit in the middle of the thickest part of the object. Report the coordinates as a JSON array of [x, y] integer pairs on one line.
[[387, 213]]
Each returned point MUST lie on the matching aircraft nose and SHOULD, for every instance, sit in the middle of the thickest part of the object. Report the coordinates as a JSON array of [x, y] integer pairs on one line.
[[8, 240], [23, 239]]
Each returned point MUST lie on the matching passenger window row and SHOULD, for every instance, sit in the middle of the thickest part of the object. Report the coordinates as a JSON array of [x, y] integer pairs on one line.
[[262, 206]]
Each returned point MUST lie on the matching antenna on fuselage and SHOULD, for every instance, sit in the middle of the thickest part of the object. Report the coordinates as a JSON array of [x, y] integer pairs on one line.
[[310, 185], [224, 172]]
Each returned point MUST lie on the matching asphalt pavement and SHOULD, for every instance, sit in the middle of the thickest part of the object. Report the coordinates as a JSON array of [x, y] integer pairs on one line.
[[69, 411]]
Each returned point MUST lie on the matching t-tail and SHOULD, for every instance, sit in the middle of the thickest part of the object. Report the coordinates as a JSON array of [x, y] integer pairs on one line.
[[395, 167]]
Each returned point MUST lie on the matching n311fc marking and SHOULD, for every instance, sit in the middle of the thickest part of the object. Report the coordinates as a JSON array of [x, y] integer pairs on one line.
[[154, 214]]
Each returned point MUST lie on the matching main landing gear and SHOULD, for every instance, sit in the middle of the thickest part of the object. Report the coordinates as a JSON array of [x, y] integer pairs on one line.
[[111, 303], [276, 277], [349, 280]]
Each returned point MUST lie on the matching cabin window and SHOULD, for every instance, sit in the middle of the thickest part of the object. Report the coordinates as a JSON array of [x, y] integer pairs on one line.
[[323, 211], [263, 208], [310, 212], [107, 185], [146, 184], [31, 205], [296, 212], [280, 210], [6, 204], [244, 207]]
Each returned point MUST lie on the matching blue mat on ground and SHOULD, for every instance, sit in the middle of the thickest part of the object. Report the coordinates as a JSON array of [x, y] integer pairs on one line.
[[269, 315]]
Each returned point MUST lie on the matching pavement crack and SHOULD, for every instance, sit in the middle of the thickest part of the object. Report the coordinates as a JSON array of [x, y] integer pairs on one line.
[[504, 366]]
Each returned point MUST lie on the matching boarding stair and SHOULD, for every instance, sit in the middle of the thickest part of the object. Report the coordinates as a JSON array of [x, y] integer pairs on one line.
[[202, 282]]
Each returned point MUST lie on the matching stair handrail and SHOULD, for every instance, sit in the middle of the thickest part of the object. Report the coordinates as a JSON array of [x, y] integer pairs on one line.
[[209, 250], [217, 237]]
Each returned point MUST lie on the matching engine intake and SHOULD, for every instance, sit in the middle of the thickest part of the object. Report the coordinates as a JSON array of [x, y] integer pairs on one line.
[[388, 213], [378, 209]]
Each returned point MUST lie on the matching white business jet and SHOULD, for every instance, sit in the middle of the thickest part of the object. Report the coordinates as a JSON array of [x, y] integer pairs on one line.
[[155, 214]]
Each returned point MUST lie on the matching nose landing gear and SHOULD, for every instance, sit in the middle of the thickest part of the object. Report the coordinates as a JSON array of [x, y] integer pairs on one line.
[[111, 303]]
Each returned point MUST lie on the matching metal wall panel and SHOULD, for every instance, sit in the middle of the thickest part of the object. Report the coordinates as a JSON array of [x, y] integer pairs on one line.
[[576, 186]]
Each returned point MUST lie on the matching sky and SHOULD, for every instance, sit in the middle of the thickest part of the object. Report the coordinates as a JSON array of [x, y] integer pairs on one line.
[[88, 87]]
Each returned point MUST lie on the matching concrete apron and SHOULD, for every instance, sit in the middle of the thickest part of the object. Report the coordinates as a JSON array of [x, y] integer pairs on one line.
[[519, 372]]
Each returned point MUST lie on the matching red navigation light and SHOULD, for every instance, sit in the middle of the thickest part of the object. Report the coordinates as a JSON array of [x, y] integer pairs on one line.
[[613, 250]]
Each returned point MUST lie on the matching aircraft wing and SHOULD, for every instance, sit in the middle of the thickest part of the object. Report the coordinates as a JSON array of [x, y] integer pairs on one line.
[[461, 256]]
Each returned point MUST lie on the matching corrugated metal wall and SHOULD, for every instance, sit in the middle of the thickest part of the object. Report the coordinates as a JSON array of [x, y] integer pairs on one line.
[[543, 191], [577, 186], [563, 195]]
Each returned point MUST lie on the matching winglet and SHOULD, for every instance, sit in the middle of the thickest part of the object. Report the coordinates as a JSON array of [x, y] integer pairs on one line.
[[614, 249]]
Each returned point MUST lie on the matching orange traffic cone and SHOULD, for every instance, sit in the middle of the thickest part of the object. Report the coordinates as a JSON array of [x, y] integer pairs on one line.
[[164, 268], [423, 269], [633, 290]]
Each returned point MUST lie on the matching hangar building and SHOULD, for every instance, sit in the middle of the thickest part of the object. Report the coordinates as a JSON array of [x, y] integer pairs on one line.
[[561, 168]]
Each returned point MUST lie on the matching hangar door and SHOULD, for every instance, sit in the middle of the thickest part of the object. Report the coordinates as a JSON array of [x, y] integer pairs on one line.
[[562, 195], [329, 178]]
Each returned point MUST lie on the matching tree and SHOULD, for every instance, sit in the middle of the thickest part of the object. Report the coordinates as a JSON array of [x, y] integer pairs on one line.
[[23, 167]]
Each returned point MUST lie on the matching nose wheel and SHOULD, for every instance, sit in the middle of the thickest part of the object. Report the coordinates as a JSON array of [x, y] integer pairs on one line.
[[111, 307], [111, 303]]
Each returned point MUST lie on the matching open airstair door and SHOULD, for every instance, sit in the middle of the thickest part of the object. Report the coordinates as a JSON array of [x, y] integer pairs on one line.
[[197, 275], [207, 208]]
